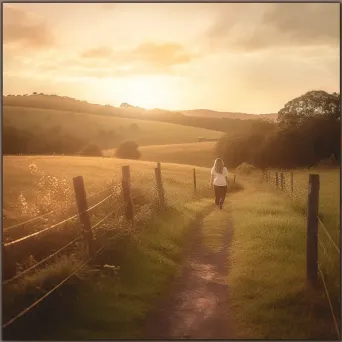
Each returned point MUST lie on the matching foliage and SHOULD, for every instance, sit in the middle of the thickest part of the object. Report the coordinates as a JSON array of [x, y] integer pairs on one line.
[[91, 150], [310, 105], [308, 131], [245, 169], [128, 150]]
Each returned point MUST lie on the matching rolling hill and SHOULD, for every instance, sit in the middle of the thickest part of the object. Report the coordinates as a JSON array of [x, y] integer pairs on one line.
[[108, 132]]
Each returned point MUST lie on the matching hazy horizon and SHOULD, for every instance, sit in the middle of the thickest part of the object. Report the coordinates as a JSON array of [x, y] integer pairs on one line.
[[228, 57]]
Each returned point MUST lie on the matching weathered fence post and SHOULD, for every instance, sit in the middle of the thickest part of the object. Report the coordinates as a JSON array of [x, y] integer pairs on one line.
[[282, 181], [127, 193], [312, 230], [195, 187], [82, 207], [234, 178], [292, 183], [159, 182], [277, 181]]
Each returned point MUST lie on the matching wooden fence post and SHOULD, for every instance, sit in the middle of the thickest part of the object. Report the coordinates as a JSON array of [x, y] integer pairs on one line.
[[127, 194], [282, 181], [312, 230], [159, 182], [82, 207], [292, 183], [234, 178], [195, 188], [277, 181]]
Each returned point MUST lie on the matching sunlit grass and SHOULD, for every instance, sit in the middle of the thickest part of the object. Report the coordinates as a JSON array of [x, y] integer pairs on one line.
[[148, 257], [267, 274], [198, 153]]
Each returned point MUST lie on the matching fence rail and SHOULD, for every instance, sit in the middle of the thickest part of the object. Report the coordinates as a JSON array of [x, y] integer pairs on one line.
[[125, 208], [313, 266]]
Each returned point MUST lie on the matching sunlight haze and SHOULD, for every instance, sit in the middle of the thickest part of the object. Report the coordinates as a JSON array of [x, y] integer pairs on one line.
[[245, 57]]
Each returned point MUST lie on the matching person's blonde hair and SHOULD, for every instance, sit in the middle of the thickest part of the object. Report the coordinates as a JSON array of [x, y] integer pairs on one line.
[[218, 165]]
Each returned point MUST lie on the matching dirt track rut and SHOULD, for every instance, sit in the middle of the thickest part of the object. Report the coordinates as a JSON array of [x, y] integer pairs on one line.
[[197, 305]]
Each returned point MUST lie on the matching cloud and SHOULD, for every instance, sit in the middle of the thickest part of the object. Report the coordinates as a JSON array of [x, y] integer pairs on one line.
[[22, 28], [276, 25], [145, 58], [100, 52]]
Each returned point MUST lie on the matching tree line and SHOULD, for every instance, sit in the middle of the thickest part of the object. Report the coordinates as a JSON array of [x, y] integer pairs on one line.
[[308, 131]]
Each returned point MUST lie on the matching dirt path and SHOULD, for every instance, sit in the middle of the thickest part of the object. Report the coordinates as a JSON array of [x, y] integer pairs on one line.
[[197, 305]]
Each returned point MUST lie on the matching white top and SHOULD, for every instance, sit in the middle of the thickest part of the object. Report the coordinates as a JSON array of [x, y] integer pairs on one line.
[[220, 178]]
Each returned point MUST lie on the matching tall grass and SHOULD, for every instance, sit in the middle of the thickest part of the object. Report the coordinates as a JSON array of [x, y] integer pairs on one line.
[[267, 276], [147, 257]]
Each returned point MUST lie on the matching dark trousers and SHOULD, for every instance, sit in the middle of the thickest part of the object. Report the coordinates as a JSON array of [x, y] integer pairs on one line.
[[220, 194]]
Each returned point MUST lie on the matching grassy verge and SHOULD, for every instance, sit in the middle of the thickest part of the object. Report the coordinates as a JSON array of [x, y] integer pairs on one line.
[[269, 296], [105, 304]]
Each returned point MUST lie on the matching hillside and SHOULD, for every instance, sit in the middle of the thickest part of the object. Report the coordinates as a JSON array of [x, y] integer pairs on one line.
[[199, 153], [229, 115], [223, 122], [106, 131]]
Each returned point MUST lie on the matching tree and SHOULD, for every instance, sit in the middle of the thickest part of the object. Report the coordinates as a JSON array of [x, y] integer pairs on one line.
[[128, 150], [91, 150], [317, 103]]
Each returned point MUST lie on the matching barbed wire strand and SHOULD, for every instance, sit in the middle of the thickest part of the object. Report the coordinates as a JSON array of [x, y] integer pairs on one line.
[[23, 312], [40, 262], [101, 221], [324, 249], [329, 236], [54, 225], [329, 301], [51, 212], [28, 221], [40, 232], [97, 204]]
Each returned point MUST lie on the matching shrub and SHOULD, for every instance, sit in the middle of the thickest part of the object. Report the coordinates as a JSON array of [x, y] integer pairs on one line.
[[245, 169], [128, 150], [91, 150]]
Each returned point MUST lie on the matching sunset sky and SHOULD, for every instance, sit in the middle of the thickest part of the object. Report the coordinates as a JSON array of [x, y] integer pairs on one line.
[[250, 58]]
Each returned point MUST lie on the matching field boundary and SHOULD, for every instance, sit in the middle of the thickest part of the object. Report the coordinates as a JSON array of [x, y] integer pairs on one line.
[[315, 270], [123, 209]]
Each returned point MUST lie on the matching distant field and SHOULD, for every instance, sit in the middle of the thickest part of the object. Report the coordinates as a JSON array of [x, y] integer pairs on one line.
[[97, 173], [87, 126], [199, 153]]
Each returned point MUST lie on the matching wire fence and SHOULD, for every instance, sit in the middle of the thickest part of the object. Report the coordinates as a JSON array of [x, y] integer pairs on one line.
[[89, 228], [300, 192]]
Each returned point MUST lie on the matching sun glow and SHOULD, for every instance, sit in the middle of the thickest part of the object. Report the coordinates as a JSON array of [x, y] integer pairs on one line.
[[148, 92]]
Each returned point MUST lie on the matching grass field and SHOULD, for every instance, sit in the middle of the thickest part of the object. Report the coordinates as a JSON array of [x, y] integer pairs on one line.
[[198, 153], [148, 258], [267, 277], [145, 133], [267, 280]]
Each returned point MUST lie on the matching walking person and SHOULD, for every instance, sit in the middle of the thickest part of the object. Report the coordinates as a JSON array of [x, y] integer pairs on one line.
[[219, 179]]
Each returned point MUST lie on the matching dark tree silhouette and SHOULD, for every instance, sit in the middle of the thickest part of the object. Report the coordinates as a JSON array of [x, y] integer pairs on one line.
[[128, 150], [317, 103]]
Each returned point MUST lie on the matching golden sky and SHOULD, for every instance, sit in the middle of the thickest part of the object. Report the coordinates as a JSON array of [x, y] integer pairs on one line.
[[245, 57]]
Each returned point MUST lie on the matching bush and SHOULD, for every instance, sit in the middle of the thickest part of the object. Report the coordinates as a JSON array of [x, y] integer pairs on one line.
[[128, 150], [245, 169], [91, 150]]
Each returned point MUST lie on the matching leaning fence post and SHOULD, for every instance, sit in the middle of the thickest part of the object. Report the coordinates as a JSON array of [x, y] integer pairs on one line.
[[292, 183], [82, 207], [127, 194], [195, 180], [312, 230], [159, 182], [277, 181]]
